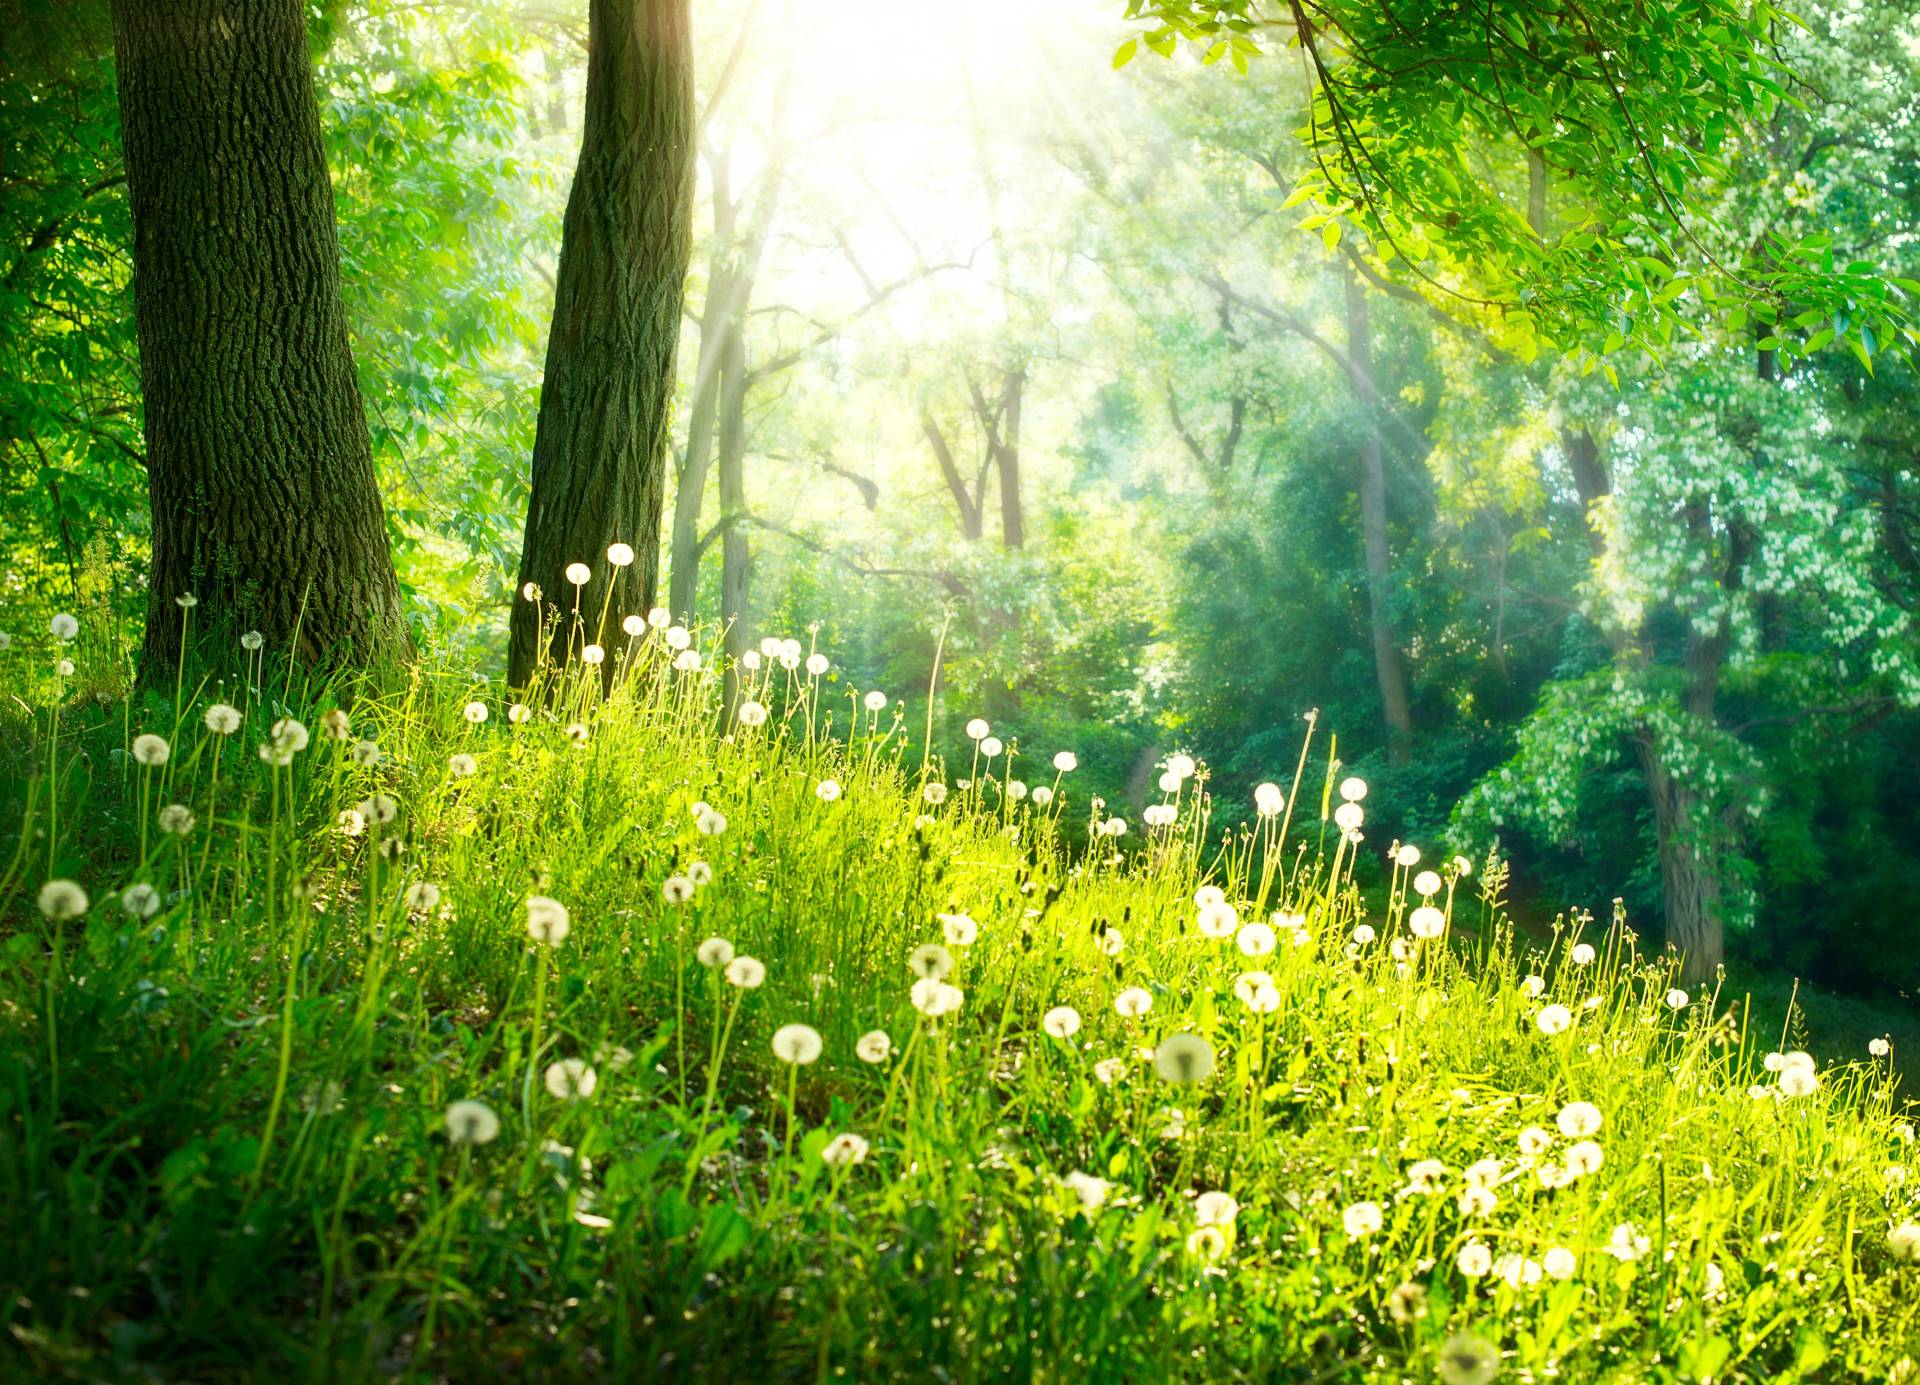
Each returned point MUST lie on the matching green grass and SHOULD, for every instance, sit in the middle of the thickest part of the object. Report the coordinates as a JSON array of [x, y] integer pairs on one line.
[[224, 1139]]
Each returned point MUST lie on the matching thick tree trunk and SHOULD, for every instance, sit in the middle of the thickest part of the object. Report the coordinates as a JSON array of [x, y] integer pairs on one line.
[[1687, 871], [1390, 669], [735, 554], [259, 464], [600, 448]]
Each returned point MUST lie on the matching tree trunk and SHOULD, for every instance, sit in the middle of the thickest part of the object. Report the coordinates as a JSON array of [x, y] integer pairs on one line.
[[600, 448], [1688, 881], [1390, 669], [735, 570], [1013, 528], [259, 464], [683, 575]]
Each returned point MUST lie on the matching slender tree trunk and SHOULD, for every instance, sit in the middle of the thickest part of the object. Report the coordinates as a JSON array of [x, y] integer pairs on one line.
[[970, 523], [1013, 527], [601, 445], [735, 554], [683, 577], [1689, 883], [259, 464], [1389, 667]]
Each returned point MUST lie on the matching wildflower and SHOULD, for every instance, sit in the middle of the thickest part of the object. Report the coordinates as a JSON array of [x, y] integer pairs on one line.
[[1560, 1263], [1582, 954], [1348, 817], [977, 729], [1114, 827], [176, 819], [151, 750], [1016, 790], [1407, 857], [1904, 1242], [1425, 1175], [816, 665], [1109, 1071], [1627, 1244], [1111, 942], [1181, 767], [930, 962], [633, 626], [687, 661], [64, 668], [530, 591], [1132, 1002], [1583, 1158], [519, 713], [991, 746], [462, 765], [1467, 1359], [619, 554], [1216, 1209], [676, 889], [1353, 789], [475, 711], [63, 627], [934, 998], [659, 617], [1406, 1303], [593, 655], [959, 929], [1518, 1270], [1551, 1176], [1426, 922], [365, 753], [1426, 884], [828, 790], [1259, 996], [1474, 1260], [472, 1123], [571, 1079], [141, 900], [700, 872], [380, 808], [1218, 920], [844, 1151], [252, 640], [1798, 1080], [1159, 815], [1878, 1048], [1534, 1141], [746, 972], [677, 637], [1268, 800], [351, 822], [334, 724], [751, 714], [1364, 935], [1534, 987], [714, 952], [547, 920], [1676, 999], [423, 896], [1183, 1058], [1256, 940], [1554, 1019], [711, 823], [874, 701], [1092, 1192], [873, 1046], [1062, 1021], [1065, 761], [577, 733], [1207, 1243], [1362, 1219], [1578, 1119], [934, 792], [579, 574], [285, 739], [1478, 1200], [796, 1043]]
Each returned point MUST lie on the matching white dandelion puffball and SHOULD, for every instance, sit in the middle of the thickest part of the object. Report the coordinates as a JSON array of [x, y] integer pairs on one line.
[[687, 661], [571, 1079], [462, 765], [1065, 761], [659, 617], [1215, 1208], [1879, 1048], [252, 640], [423, 896], [633, 627], [1183, 1059], [1535, 1141], [1798, 1081], [1114, 827], [930, 961], [677, 637], [1170, 782], [711, 823], [751, 713], [1475, 1261], [547, 920], [1407, 857], [593, 655], [977, 729], [140, 900], [1425, 1175], [676, 889], [1042, 796], [934, 998], [714, 952], [1256, 940], [64, 668], [1554, 1019], [746, 972], [1904, 1242], [990, 746], [873, 1046], [1676, 999], [1534, 987], [519, 714], [1181, 767], [365, 753], [1208, 894], [352, 822], [1133, 1002], [1583, 1157], [1207, 1243], [1582, 954], [1578, 1119], [1353, 789], [959, 929], [1089, 1191], [290, 735], [1159, 815], [620, 554], [579, 574], [1218, 920], [222, 719], [475, 711], [1363, 934], [796, 1044], [530, 591], [1268, 800], [1478, 1201], [817, 664], [1257, 992], [1062, 1021], [472, 1123], [874, 701], [1426, 922], [63, 627], [151, 750], [176, 819], [844, 1151], [1362, 1219], [380, 808], [1348, 817], [1112, 942], [934, 792], [1426, 884], [827, 790], [1109, 1071]]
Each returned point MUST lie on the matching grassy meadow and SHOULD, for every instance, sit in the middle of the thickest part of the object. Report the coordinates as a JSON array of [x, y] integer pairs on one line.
[[402, 1027]]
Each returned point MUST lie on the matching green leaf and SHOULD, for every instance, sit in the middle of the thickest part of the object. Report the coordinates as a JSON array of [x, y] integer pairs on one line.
[[1124, 53]]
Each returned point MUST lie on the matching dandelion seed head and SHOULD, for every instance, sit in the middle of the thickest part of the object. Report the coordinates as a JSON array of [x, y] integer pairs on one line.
[[1268, 800], [1426, 884], [990, 746], [151, 750], [571, 1079], [620, 554], [843, 1151], [746, 972], [63, 627], [959, 929], [1582, 954], [1407, 857], [1348, 817], [1062, 1021], [579, 574], [1184, 1059], [1362, 1219], [677, 637], [1353, 789], [1133, 1002], [472, 1122], [827, 790], [141, 900], [796, 1044], [547, 920], [873, 1046], [977, 729], [176, 819], [1256, 939], [222, 719], [1554, 1019], [1426, 922], [676, 889]]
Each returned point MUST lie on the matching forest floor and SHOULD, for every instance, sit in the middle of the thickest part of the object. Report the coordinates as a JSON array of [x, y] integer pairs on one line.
[[362, 1029]]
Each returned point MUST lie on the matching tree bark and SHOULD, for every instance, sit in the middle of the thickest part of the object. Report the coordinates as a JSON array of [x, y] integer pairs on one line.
[[735, 556], [1390, 669], [600, 447], [1006, 452], [259, 464]]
